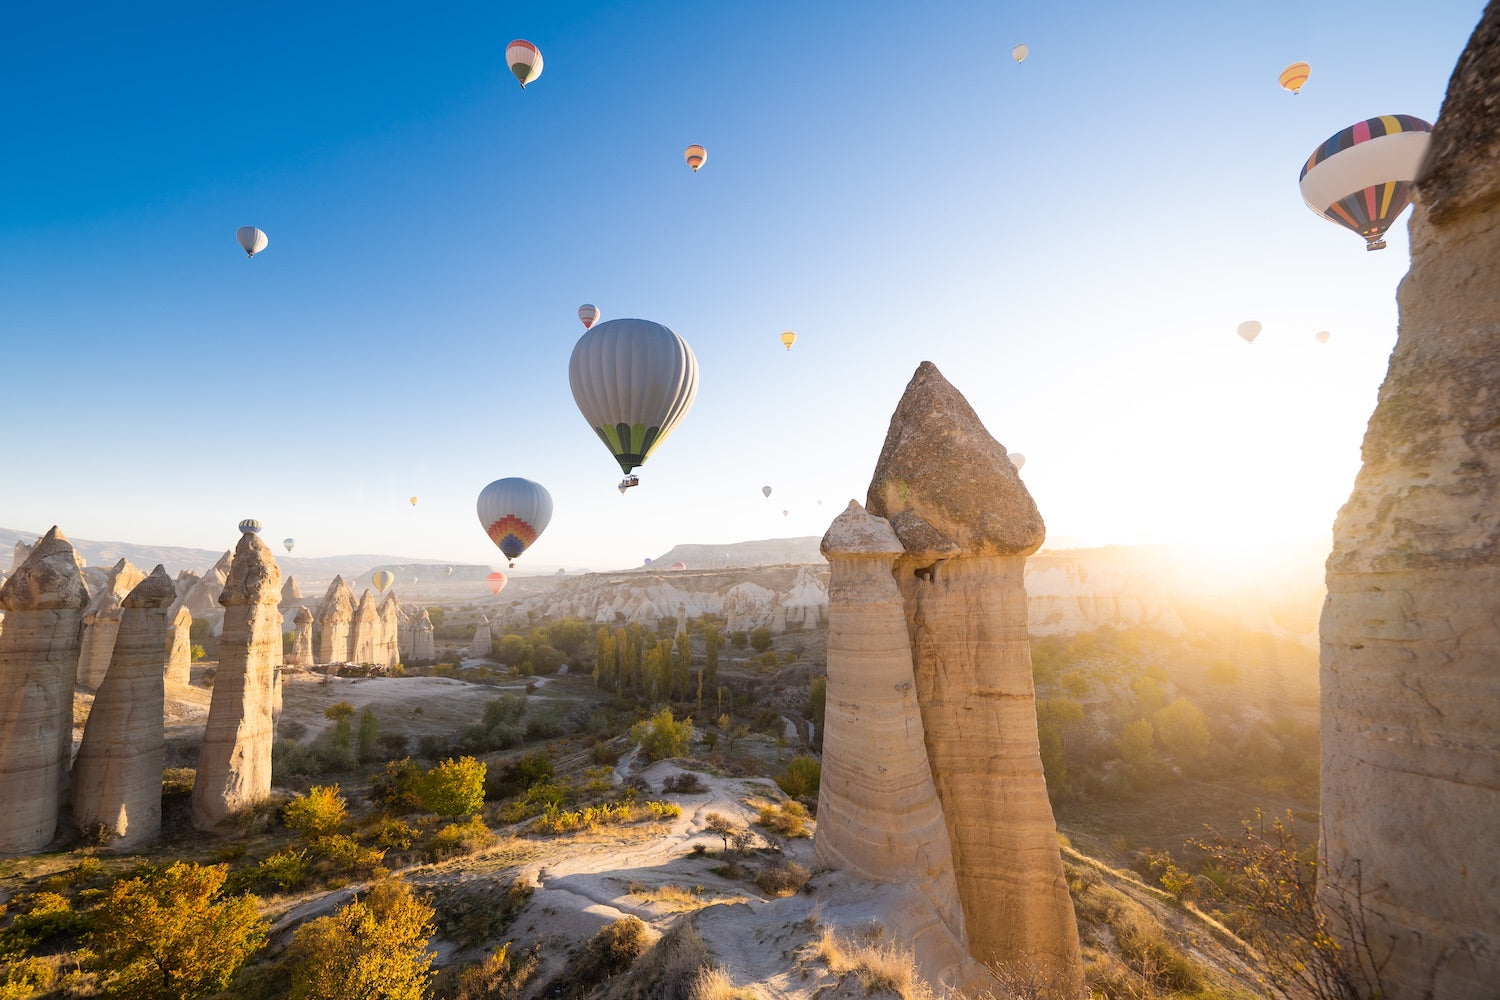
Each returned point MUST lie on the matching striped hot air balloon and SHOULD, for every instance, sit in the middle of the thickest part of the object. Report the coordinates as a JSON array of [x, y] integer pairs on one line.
[[514, 512], [250, 526], [1361, 177], [695, 156], [788, 339], [382, 579], [588, 314], [1294, 76], [524, 60]]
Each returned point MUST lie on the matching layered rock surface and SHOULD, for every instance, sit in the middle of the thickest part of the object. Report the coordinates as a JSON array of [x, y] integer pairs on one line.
[[335, 614], [387, 648], [423, 646], [302, 639], [179, 641], [101, 623], [481, 644], [364, 631], [1411, 696]]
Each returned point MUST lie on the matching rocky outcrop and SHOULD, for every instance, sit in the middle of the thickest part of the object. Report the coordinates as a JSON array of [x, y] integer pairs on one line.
[[480, 647], [43, 601], [423, 648], [117, 775], [966, 524], [364, 630], [290, 592], [1410, 701], [387, 648], [748, 606], [302, 639], [101, 622], [335, 614], [878, 809], [179, 642], [805, 605], [234, 767], [19, 555], [203, 599]]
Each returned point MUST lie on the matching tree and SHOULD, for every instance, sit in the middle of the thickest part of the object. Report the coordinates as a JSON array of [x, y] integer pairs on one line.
[[375, 948], [737, 639], [512, 650], [369, 735], [1137, 750], [169, 936], [760, 639], [720, 824], [317, 814], [660, 737], [570, 635], [437, 616], [454, 787]]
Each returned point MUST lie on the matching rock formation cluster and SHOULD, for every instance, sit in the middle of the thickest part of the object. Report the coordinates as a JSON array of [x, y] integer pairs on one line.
[[1410, 693], [949, 517]]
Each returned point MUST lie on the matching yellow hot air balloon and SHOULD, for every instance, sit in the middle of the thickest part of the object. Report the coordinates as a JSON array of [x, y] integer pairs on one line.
[[788, 339], [1020, 52], [382, 579], [413, 501], [695, 156], [1294, 76]]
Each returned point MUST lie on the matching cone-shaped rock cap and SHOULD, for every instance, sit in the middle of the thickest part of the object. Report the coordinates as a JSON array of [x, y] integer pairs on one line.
[[156, 591], [254, 577], [941, 466], [858, 532], [304, 615], [48, 580]]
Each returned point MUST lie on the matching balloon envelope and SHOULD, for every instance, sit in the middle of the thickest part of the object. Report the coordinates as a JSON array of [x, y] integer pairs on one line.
[[524, 60], [290, 543], [447, 570], [1322, 336], [1020, 52], [413, 501], [679, 565], [634, 381], [1017, 459], [251, 240], [647, 562], [1294, 76], [497, 581], [1360, 177], [765, 491], [513, 513], [382, 579], [1250, 329], [695, 155], [788, 339], [250, 526], [587, 314]]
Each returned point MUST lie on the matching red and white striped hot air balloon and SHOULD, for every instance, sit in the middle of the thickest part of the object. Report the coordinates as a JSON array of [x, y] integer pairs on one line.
[[695, 156], [524, 60], [587, 314]]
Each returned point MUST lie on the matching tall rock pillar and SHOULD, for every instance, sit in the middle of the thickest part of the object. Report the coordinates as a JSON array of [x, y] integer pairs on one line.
[[334, 615], [363, 632], [1410, 690], [302, 639], [423, 649], [387, 649], [179, 643], [117, 776], [481, 645], [234, 767], [966, 525], [101, 622], [43, 601]]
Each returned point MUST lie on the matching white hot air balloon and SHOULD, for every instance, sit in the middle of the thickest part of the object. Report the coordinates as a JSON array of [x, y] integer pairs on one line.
[[1249, 330], [1020, 52], [1322, 336], [1017, 459], [251, 240], [588, 314]]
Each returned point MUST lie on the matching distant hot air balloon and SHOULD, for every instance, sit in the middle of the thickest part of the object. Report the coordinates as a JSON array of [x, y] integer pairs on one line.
[[524, 60], [382, 579], [588, 313], [447, 570], [290, 543], [765, 491], [634, 381], [1020, 52], [788, 339], [679, 565], [250, 526], [695, 156], [1294, 76], [514, 512], [497, 581], [1322, 336], [647, 562], [251, 240], [413, 501], [1017, 459], [1250, 329], [786, 513], [1361, 177]]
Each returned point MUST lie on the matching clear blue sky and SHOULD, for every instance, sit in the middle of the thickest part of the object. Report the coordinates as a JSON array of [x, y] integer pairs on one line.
[[1072, 241]]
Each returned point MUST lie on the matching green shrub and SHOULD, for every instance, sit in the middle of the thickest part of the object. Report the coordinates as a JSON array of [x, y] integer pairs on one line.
[[398, 789], [317, 814], [660, 737], [454, 787], [287, 868], [800, 777], [760, 639], [788, 819], [465, 837], [782, 878]]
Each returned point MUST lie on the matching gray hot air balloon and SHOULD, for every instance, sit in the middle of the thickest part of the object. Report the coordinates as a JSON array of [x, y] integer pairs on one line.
[[251, 240], [290, 543], [634, 381]]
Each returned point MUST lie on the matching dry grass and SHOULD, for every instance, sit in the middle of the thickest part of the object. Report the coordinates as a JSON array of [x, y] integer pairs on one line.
[[886, 966], [714, 984]]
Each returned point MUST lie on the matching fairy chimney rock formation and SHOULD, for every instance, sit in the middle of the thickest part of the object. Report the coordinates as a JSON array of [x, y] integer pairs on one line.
[[878, 809], [387, 649], [302, 639], [1410, 697], [363, 630], [117, 775], [966, 524], [482, 638], [203, 599], [423, 649], [43, 601], [179, 644], [101, 622], [19, 555], [290, 592], [334, 616], [234, 766]]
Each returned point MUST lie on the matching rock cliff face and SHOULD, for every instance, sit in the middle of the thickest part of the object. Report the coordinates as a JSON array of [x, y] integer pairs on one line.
[[334, 617], [117, 775], [179, 642], [21, 553], [101, 622], [1411, 696], [302, 639], [965, 524], [43, 601], [364, 631], [481, 644], [234, 767]]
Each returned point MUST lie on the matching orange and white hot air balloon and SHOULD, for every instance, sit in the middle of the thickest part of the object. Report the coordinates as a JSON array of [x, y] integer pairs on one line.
[[587, 314], [695, 156], [1294, 76], [524, 60]]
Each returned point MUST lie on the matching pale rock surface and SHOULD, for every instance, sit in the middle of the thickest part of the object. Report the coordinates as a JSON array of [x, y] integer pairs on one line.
[[335, 614], [878, 809], [388, 652], [117, 774], [43, 601], [364, 630], [806, 604], [302, 639], [185, 582], [1410, 690], [966, 523], [423, 647], [481, 645], [234, 767], [203, 599], [179, 644], [20, 554], [290, 592], [748, 606], [101, 622]]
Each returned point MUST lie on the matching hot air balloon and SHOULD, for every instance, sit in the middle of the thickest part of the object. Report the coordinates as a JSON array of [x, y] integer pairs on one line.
[[1294, 76], [514, 512], [1322, 336], [634, 381], [447, 570], [251, 240], [647, 562], [679, 565], [788, 339], [587, 314], [382, 579], [413, 501], [250, 526], [1250, 329], [786, 513], [1017, 459], [1361, 177], [1020, 52], [524, 60], [765, 491], [695, 155], [290, 543], [497, 581]]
